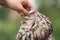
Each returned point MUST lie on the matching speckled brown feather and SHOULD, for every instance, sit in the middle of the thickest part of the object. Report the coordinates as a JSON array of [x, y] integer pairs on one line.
[[35, 26]]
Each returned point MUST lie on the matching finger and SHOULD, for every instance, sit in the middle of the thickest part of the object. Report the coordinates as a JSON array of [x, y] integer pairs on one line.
[[27, 5], [30, 6], [22, 9], [21, 14]]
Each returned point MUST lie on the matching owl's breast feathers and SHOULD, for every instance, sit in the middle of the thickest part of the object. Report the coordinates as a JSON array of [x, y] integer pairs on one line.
[[35, 26]]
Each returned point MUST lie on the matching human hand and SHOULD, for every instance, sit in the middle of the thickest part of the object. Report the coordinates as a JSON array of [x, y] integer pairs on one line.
[[21, 6]]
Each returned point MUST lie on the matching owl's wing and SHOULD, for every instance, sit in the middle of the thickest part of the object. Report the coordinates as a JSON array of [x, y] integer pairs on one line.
[[44, 27]]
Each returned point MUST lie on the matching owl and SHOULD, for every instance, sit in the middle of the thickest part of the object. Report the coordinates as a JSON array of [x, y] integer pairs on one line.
[[35, 26]]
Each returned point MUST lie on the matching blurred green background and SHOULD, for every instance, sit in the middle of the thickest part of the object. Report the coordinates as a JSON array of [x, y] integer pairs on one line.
[[10, 21]]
